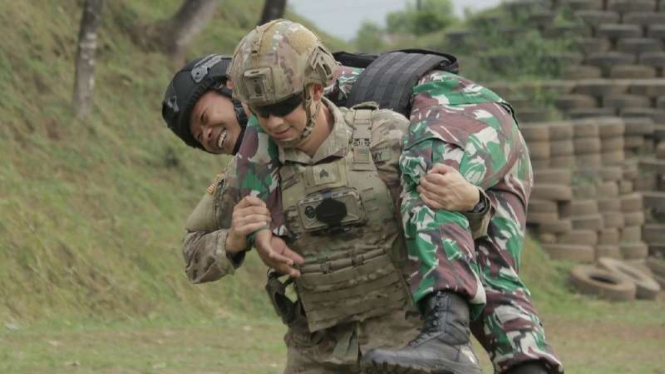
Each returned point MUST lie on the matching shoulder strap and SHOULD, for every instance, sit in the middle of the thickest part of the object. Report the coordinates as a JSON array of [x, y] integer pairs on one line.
[[360, 118], [390, 78]]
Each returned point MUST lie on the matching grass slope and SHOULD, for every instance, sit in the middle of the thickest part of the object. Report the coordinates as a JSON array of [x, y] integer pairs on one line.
[[91, 212]]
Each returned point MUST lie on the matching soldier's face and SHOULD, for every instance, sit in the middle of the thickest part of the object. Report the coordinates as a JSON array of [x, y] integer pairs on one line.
[[214, 123], [285, 128]]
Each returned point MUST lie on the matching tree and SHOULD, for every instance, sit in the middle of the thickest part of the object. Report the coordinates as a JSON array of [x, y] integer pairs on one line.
[[84, 82], [272, 9], [176, 33], [426, 17]]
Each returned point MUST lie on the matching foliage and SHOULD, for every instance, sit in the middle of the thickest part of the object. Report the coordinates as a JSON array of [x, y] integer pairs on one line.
[[370, 37], [431, 16]]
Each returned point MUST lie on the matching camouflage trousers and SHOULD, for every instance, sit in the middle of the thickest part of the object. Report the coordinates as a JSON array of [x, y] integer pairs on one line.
[[337, 350], [491, 154]]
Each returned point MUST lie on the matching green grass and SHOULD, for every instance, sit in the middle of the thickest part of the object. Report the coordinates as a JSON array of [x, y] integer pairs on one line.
[[92, 211]]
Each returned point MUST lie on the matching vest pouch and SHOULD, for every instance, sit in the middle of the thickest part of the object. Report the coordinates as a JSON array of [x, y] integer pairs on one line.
[[350, 289], [276, 290], [331, 209]]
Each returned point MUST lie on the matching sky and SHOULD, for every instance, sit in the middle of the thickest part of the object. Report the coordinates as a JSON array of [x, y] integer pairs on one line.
[[342, 18]]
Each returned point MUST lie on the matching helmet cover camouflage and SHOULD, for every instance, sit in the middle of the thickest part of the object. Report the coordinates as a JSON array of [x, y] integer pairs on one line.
[[279, 59]]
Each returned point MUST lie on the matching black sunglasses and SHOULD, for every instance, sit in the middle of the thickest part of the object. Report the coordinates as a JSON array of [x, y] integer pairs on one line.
[[279, 109]]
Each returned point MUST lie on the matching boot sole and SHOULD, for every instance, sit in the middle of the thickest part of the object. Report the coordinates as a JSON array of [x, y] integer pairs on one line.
[[371, 367]]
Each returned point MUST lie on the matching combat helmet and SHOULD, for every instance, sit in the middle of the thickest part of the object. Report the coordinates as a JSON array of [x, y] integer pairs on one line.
[[276, 62], [186, 88]]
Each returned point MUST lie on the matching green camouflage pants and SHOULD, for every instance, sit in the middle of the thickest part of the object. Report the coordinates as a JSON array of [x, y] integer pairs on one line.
[[483, 142]]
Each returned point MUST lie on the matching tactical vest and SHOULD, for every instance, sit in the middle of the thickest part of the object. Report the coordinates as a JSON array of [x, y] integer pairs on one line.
[[342, 217]]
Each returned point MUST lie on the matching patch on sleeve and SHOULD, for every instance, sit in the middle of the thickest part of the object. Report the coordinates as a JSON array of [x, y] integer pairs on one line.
[[382, 155], [219, 178]]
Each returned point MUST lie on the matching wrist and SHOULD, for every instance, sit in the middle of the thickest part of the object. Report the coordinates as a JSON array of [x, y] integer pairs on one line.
[[234, 244], [473, 203]]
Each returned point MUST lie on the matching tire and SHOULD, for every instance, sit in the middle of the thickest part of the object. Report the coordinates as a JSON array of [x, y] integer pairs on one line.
[[606, 250], [656, 265], [563, 162], [608, 189], [552, 192], [633, 141], [560, 148], [606, 205], [632, 203], [632, 72], [582, 207], [660, 280], [588, 222], [631, 234], [539, 218], [611, 127], [588, 160], [613, 220], [646, 287], [539, 150], [626, 187], [584, 191], [590, 145], [613, 158], [634, 251], [654, 233], [579, 237], [612, 144], [535, 133], [602, 283], [570, 252], [625, 101], [631, 170], [542, 164], [608, 237], [561, 226], [560, 130], [553, 176], [542, 206], [638, 126], [660, 151], [575, 101], [611, 173], [585, 128], [634, 219], [655, 200]]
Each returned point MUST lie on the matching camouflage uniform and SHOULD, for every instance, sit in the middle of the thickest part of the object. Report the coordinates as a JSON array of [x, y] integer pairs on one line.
[[464, 125]]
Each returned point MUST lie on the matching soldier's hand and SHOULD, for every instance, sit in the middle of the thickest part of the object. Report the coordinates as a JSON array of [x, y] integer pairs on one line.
[[249, 215], [443, 187], [276, 254]]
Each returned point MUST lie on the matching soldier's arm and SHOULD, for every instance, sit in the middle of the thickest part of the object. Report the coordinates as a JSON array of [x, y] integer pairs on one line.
[[387, 131], [204, 245]]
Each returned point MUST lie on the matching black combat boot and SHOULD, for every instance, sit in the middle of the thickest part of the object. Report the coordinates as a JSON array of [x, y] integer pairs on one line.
[[531, 367], [442, 347]]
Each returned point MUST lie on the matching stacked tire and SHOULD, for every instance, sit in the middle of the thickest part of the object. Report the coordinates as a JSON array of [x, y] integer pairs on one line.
[[615, 280]]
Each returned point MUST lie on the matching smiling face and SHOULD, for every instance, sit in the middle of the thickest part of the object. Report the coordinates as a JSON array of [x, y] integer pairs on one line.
[[214, 124]]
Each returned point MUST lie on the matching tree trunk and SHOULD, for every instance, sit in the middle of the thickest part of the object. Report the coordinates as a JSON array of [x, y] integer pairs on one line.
[[190, 19], [85, 57], [272, 9]]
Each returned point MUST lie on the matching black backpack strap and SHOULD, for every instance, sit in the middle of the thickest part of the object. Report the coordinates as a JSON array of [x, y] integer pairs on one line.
[[355, 60], [389, 79]]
